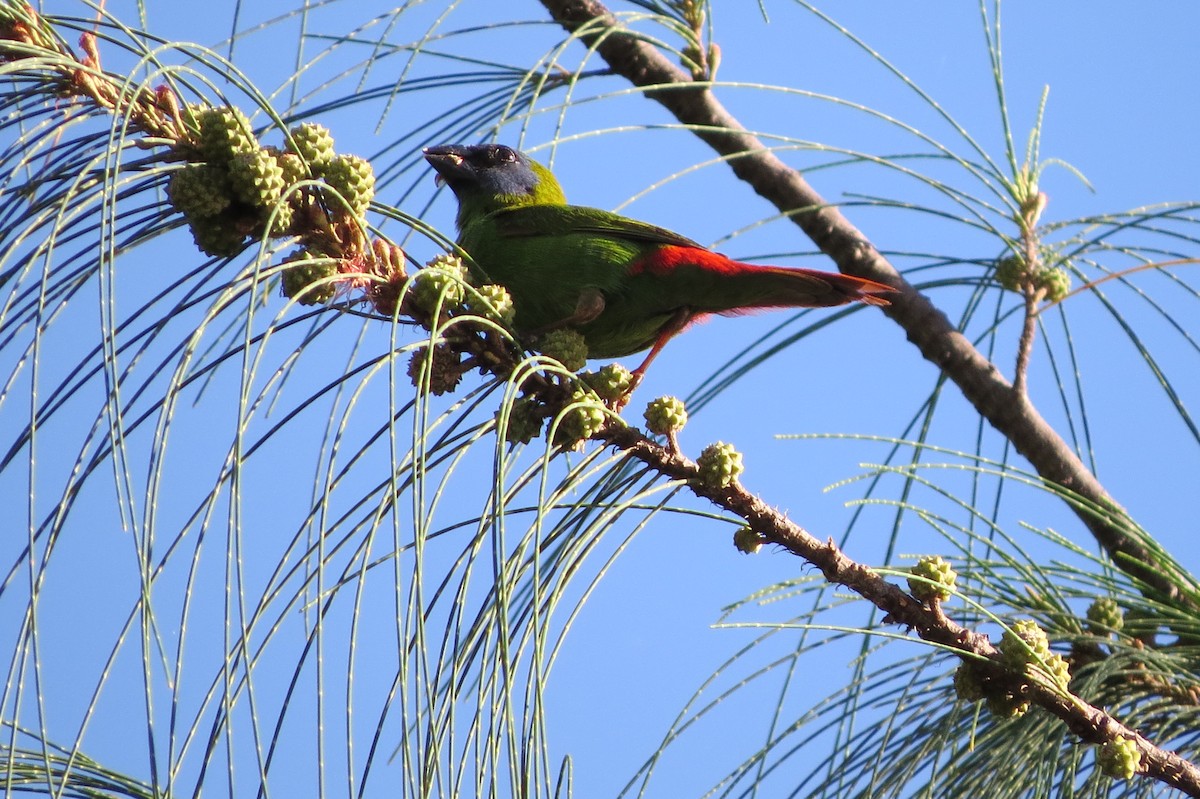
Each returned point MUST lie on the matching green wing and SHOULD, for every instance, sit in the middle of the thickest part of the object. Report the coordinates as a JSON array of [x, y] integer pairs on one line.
[[561, 220], [550, 257]]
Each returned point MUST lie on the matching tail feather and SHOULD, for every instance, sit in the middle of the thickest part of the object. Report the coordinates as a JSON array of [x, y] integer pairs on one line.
[[709, 282], [852, 288]]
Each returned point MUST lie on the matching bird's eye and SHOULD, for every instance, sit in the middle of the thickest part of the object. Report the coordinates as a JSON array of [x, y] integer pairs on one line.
[[502, 154]]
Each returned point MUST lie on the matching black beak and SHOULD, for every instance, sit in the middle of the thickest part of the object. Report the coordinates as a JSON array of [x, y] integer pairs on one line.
[[447, 160]]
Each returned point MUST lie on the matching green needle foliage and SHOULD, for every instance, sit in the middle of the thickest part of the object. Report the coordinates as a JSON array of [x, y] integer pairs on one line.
[[292, 511]]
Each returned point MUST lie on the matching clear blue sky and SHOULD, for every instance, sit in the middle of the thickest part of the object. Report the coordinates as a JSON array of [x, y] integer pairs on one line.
[[1122, 110]]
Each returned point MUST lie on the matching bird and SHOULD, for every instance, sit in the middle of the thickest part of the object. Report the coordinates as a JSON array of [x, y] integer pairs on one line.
[[624, 285]]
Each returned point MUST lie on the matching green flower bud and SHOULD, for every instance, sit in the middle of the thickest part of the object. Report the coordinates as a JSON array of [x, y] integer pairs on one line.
[[719, 465], [494, 302], [218, 235], [665, 415], [440, 282], [1119, 759], [1010, 272], [939, 572], [256, 179], [353, 178], [1105, 616], [313, 143], [1057, 668], [281, 222], [611, 383], [199, 190], [747, 540], [525, 419], [1024, 643], [451, 263], [565, 346], [444, 368], [224, 133], [292, 167], [302, 279], [1056, 282], [969, 682], [581, 422]]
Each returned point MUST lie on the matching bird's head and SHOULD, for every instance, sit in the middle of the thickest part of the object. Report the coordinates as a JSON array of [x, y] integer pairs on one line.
[[486, 177]]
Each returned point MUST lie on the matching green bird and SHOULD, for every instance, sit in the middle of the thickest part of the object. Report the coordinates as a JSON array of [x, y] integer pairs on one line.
[[624, 285]]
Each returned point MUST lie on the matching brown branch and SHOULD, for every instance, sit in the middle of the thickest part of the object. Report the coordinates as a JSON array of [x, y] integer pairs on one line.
[[1089, 723], [1031, 296], [925, 325], [1031, 290], [24, 35]]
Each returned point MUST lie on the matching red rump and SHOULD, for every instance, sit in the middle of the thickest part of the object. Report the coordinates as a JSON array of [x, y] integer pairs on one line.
[[669, 257]]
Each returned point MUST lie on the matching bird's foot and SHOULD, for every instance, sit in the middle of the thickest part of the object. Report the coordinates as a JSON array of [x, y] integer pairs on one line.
[[620, 402]]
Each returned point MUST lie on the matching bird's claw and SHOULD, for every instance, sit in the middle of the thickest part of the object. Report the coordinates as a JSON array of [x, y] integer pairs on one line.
[[620, 402]]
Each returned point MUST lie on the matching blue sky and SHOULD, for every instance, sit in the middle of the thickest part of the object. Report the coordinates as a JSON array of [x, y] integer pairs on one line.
[[1122, 110]]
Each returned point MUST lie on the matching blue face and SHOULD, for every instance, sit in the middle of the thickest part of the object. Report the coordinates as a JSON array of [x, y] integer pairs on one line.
[[503, 170], [492, 168]]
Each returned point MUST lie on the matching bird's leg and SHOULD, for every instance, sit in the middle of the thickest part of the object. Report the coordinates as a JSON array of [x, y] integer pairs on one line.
[[675, 325], [678, 321]]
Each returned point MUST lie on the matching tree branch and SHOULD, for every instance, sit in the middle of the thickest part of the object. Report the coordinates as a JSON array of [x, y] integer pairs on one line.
[[925, 325], [1089, 723]]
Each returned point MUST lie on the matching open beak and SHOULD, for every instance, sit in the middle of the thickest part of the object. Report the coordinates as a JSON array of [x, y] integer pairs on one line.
[[446, 159]]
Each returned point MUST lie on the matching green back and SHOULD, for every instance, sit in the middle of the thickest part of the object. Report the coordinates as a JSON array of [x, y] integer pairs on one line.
[[548, 255]]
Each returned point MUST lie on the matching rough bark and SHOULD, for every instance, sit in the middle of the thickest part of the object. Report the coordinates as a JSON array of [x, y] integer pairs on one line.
[[925, 325]]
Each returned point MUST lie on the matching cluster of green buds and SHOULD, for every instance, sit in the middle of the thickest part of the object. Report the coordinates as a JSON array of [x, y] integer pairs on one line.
[[932, 579], [1024, 649], [1023, 643], [310, 277], [439, 368], [566, 346], [1050, 276], [492, 301], [586, 408], [1025, 646], [665, 416], [582, 418], [1119, 758], [747, 540], [611, 383], [972, 684], [1105, 616], [349, 181], [441, 287], [231, 188], [719, 465], [523, 421]]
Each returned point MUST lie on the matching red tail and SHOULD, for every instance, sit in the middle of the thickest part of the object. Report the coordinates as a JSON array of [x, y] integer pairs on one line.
[[704, 282], [733, 287]]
